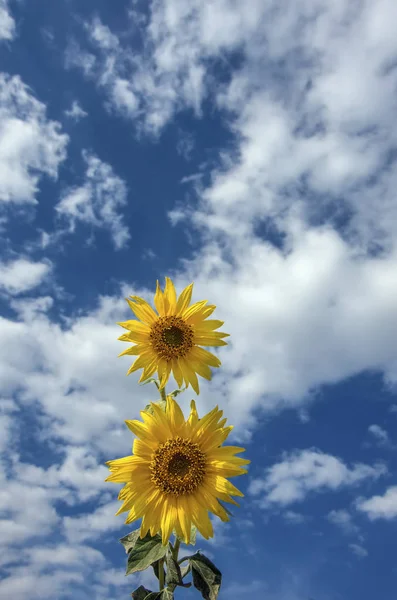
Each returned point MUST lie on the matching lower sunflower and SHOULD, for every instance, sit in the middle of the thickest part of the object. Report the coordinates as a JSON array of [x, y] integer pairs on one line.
[[178, 471]]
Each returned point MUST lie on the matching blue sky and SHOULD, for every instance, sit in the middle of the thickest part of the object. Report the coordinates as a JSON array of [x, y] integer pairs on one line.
[[254, 153]]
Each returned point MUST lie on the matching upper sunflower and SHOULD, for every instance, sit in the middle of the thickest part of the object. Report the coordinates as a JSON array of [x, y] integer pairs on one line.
[[178, 471], [171, 340]]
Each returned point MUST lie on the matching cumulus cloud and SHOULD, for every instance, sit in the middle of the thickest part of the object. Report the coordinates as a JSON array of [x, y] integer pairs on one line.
[[303, 472], [7, 23], [30, 145], [97, 202], [21, 275], [380, 507]]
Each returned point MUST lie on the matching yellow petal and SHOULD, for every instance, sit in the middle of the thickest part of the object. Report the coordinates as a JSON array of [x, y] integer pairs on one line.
[[135, 336], [209, 325], [164, 370], [138, 428], [159, 300], [148, 370], [193, 309], [184, 300], [133, 351], [169, 297], [189, 375], [133, 325], [142, 310], [143, 360], [200, 316], [204, 356], [193, 418], [175, 416], [177, 373]]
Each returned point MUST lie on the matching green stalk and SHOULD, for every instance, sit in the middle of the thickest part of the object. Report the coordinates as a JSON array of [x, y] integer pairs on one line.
[[175, 550], [161, 574], [163, 394]]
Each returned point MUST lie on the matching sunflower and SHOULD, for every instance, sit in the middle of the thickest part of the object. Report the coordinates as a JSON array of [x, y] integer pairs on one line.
[[177, 472], [170, 340]]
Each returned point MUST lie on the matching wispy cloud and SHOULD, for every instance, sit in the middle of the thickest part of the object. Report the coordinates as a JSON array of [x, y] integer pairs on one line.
[[76, 112], [97, 202], [7, 23]]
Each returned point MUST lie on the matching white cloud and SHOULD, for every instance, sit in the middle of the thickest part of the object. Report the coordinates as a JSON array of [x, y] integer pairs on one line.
[[294, 518], [7, 23], [76, 112], [22, 275], [305, 155], [358, 550], [98, 201], [343, 519], [30, 145], [90, 526], [379, 433], [380, 507], [306, 471]]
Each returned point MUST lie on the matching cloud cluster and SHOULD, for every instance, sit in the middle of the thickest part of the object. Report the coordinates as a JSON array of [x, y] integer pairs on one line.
[[380, 507], [302, 472], [22, 275], [30, 145]]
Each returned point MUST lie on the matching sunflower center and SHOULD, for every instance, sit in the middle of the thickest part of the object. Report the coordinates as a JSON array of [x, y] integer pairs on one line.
[[171, 337], [178, 467]]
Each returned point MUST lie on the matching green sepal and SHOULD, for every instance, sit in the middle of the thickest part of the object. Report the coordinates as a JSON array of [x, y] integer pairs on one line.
[[161, 403], [151, 380], [142, 552], [206, 576], [193, 533], [176, 393]]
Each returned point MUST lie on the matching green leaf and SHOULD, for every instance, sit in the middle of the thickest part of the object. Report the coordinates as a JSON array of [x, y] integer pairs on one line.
[[185, 571], [141, 593], [154, 596], [206, 576], [167, 594], [145, 552], [173, 577], [130, 540]]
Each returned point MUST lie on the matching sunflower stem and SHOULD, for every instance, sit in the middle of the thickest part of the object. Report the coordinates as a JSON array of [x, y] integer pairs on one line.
[[161, 574], [175, 550], [163, 394]]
